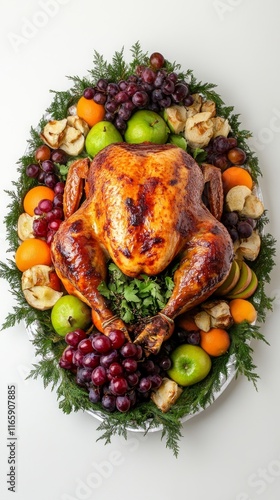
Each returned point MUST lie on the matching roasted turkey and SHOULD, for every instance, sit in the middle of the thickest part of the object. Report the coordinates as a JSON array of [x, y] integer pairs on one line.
[[143, 208]]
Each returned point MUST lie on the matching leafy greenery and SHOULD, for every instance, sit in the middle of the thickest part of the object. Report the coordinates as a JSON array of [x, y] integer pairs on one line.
[[133, 299], [199, 155], [241, 337]]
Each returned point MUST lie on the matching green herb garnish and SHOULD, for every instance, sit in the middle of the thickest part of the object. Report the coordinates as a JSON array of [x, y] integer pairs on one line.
[[134, 299]]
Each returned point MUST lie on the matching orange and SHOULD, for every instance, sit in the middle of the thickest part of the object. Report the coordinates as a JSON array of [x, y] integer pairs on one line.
[[236, 176], [186, 322], [34, 196], [32, 252], [215, 342], [242, 310], [90, 111]]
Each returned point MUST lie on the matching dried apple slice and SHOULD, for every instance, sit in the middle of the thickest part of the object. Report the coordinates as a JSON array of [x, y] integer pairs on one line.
[[221, 126], [199, 130], [73, 141], [249, 249], [166, 395], [39, 288], [78, 123], [175, 117], [53, 132], [41, 297], [25, 226]]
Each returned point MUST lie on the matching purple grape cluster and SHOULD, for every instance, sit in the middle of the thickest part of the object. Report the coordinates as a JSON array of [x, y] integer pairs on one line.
[[223, 152], [152, 88], [187, 337], [44, 170], [114, 370], [238, 228], [50, 215]]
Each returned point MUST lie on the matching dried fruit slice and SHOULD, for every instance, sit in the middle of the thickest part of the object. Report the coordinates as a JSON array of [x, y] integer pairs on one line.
[[25, 226], [249, 249], [235, 198], [53, 132], [41, 297], [166, 395], [199, 130], [39, 288], [36, 275], [175, 117]]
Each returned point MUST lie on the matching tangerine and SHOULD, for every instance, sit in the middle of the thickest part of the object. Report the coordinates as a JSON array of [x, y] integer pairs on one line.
[[215, 342], [90, 111], [32, 252], [186, 322], [34, 196], [242, 310], [236, 176]]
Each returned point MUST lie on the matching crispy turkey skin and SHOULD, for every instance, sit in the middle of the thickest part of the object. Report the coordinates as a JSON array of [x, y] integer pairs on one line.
[[144, 208]]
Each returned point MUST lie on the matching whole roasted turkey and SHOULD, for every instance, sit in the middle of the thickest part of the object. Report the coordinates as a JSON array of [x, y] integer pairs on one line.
[[144, 208]]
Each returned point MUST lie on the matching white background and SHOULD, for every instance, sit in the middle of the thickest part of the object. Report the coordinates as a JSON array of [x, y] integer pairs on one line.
[[231, 451]]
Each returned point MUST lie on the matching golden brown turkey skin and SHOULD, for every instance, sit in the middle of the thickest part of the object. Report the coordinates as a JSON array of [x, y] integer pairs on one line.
[[142, 204], [143, 209]]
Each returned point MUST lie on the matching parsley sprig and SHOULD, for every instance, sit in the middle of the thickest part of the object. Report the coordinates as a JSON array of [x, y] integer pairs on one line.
[[133, 299], [137, 298]]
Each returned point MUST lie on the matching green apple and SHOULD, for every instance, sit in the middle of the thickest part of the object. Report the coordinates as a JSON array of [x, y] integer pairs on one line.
[[178, 140], [146, 126], [190, 364], [70, 313], [102, 134]]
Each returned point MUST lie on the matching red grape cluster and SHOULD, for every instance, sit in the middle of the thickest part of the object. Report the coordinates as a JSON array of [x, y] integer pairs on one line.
[[50, 215], [152, 88], [223, 152], [114, 370]]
